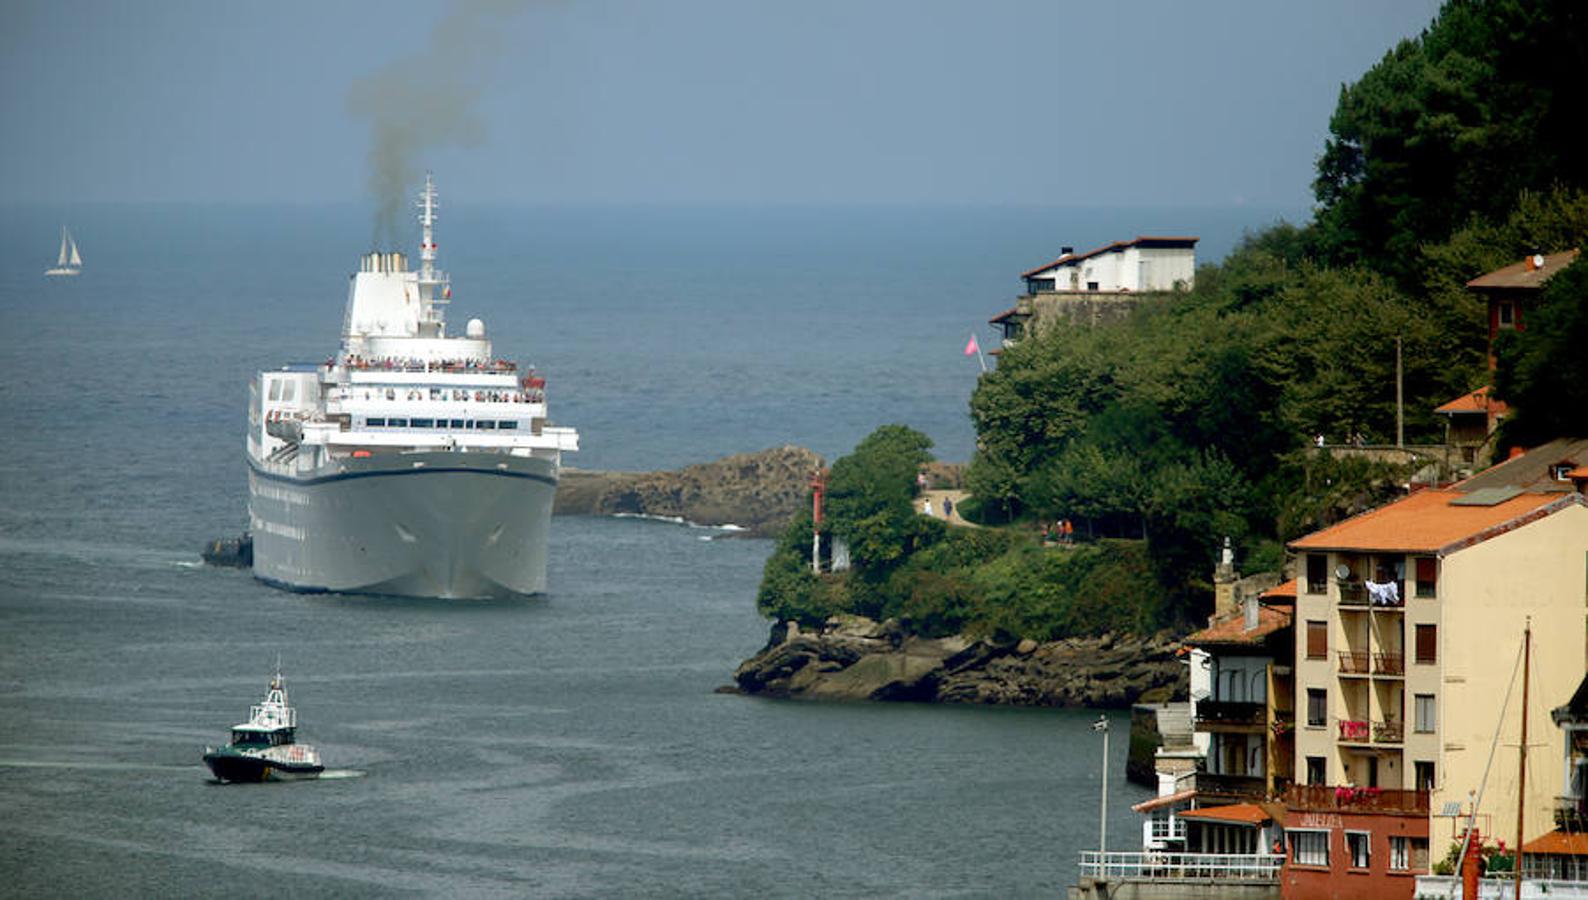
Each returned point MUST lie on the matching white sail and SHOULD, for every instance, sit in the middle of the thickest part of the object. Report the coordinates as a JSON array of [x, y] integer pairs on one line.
[[69, 261]]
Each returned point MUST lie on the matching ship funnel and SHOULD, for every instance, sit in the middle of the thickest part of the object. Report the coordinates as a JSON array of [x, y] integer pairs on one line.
[[383, 262]]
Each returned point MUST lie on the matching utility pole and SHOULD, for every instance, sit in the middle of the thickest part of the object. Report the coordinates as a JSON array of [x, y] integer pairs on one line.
[[1400, 398]]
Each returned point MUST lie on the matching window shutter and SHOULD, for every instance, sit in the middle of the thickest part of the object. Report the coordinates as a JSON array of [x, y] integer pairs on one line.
[[1427, 644], [1317, 640]]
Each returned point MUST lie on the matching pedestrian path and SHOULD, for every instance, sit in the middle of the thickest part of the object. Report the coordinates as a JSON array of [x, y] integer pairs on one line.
[[934, 503]]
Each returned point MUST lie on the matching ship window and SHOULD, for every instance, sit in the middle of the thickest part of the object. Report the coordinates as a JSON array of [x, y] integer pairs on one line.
[[459, 423], [397, 423], [506, 426], [375, 423], [486, 424], [289, 390], [422, 423], [275, 390]]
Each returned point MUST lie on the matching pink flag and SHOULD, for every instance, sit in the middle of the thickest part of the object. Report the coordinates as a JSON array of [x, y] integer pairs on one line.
[[971, 349]]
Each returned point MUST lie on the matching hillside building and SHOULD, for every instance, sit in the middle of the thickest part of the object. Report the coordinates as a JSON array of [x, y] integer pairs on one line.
[[1098, 286]]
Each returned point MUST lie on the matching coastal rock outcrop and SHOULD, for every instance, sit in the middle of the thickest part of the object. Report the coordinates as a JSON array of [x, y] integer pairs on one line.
[[760, 492], [853, 658]]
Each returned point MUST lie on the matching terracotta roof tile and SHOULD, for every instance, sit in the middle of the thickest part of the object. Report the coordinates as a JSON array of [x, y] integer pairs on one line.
[[1522, 274], [1429, 522], [1563, 843], [1478, 401], [1232, 629], [1283, 591], [1236, 813]]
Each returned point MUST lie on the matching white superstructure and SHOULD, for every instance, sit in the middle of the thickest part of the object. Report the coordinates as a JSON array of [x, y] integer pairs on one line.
[[412, 462]]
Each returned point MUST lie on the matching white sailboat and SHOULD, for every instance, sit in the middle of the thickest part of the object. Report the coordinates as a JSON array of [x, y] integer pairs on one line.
[[70, 262]]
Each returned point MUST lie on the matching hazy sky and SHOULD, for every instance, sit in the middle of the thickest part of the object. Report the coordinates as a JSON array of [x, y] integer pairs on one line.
[[1149, 102]]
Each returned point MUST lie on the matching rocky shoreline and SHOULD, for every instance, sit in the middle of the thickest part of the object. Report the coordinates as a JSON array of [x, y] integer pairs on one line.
[[758, 492], [854, 658]]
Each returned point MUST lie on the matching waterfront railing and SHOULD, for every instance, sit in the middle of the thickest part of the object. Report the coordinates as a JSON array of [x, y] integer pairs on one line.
[[1181, 866]]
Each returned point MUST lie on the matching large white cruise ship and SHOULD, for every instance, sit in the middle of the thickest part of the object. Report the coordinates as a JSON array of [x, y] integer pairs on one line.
[[411, 462]]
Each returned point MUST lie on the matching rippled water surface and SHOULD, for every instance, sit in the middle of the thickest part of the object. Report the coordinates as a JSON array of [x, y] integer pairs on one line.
[[568, 745]]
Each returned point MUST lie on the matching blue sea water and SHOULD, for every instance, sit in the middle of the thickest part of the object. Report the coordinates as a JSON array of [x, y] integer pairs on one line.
[[567, 745]]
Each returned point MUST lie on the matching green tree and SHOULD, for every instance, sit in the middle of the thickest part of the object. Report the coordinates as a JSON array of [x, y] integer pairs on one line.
[[1542, 373], [870, 498]]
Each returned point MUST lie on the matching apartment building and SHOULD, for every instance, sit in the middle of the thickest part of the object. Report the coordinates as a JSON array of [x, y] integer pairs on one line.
[[1408, 624]]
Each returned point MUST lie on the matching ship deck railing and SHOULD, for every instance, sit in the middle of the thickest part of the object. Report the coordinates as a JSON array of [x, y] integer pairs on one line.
[[456, 367], [1154, 866]]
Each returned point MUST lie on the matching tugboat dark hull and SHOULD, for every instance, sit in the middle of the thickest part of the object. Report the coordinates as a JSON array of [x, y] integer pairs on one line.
[[232, 766]]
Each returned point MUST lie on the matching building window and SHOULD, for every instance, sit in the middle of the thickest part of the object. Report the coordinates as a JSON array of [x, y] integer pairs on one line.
[[1561, 471], [1316, 772], [1091, 285], [1427, 644], [1317, 640], [1506, 315], [1317, 573], [1309, 848], [1356, 844], [1419, 854], [1423, 775], [1427, 576], [1317, 707], [1425, 713], [1400, 853]]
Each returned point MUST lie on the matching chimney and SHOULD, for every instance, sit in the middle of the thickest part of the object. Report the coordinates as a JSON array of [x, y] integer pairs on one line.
[[1065, 251], [1251, 612], [1224, 602]]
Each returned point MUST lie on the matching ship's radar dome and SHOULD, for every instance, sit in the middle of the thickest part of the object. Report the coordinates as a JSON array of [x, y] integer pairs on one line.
[[475, 329]]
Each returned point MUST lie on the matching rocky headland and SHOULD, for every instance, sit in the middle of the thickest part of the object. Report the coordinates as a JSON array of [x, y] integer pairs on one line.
[[854, 658], [759, 492]]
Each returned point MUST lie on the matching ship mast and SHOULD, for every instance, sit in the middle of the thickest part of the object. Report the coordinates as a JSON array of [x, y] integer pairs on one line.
[[434, 316]]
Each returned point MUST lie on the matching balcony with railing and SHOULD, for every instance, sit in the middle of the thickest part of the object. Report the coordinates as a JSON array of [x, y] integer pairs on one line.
[[1354, 731], [1389, 664], [1326, 798], [1353, 593], [1212, 867], [1222, 785], [1571, 813], [1355, 662], [1225, 715], [1389, 732]]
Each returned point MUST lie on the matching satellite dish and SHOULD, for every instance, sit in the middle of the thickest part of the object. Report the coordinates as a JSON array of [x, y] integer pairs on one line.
[[1538, 260], [1342, 571]]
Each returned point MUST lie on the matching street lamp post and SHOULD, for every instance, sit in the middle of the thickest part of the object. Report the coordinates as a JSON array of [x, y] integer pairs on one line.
[[1102, 816]]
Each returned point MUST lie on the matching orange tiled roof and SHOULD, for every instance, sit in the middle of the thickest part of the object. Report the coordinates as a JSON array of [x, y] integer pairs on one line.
[[1282, 592], [1478, 401], [1522, 274], [1237, 813], [1155, 802], [1561, 843], [1428, 522], [1232, 629], [1579, 472]]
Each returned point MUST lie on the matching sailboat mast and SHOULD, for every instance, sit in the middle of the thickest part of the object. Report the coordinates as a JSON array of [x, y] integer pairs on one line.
[[1521, 781], [66, 241]]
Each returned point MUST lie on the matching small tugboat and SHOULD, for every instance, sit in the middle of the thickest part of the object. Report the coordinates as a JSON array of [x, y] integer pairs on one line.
[[265, 747]]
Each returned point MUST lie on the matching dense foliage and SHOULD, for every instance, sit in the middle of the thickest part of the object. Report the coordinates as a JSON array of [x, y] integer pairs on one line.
[[1487, 103], [1460, 152], [938, 580]]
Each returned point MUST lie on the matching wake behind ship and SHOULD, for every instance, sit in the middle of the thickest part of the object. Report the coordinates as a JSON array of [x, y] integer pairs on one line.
[[410, 463]]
